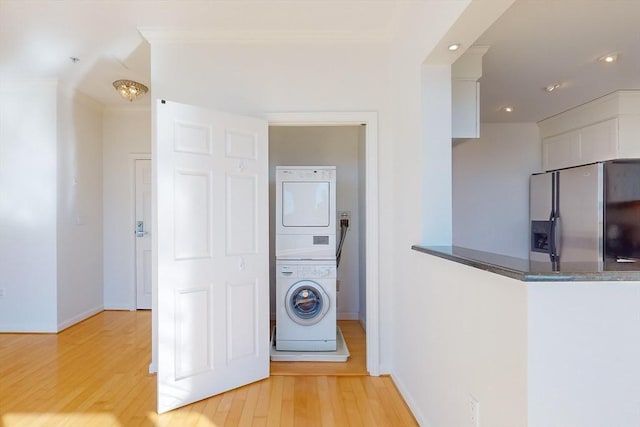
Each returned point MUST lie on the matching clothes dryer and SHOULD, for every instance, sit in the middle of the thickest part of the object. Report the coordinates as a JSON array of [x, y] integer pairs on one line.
[[305, 221], [306, 305]]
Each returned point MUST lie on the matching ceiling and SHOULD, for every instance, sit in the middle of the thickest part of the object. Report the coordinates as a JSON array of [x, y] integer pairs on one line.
[[38, 38], [534, 44], [537, 43]]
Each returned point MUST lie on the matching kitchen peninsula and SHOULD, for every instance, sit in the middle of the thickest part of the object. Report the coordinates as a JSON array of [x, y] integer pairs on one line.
[[536, 271], [561, 346]]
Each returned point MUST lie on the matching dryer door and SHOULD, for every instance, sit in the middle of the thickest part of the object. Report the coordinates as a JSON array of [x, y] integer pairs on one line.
[[306, 303], [305, 204]]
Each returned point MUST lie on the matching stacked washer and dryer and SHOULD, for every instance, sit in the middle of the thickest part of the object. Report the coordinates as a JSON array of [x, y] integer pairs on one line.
[[305, 246]]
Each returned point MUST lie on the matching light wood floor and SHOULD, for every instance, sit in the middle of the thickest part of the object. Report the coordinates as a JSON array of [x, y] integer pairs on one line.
[[95, 374], [356, 364]]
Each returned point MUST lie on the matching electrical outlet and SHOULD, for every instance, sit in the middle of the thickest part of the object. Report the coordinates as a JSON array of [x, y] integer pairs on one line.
[[474, 412], [344, 218]]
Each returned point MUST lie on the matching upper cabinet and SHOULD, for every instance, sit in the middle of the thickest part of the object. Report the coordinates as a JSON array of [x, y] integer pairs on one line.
[[465, 93], [604, 129]]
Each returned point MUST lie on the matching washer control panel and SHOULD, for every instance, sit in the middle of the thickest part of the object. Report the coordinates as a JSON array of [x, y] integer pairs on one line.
[[306, 271]]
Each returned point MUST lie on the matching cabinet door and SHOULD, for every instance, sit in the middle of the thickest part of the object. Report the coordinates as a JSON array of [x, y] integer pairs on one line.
[[465, 111], [561, 151], [599, 142]]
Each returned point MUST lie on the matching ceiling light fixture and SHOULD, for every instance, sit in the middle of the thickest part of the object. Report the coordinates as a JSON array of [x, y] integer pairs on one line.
[[454, 46], [129, 89], [508, 109], [550, 88], [609, 58]]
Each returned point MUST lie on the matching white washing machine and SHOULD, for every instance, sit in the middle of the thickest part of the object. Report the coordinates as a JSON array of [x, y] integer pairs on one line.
[[305, 305]]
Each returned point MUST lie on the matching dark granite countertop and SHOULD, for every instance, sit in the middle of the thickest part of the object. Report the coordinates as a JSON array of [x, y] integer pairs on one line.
[[534, 271]]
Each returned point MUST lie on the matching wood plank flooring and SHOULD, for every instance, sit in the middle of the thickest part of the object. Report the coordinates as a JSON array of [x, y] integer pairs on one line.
[[355, 337], [96, 374]]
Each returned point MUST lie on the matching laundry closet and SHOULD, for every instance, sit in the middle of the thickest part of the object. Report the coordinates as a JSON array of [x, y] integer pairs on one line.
[[319, 151]]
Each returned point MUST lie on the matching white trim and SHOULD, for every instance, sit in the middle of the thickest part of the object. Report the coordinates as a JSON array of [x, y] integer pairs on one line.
[[210, 35], [79, 318], [348, 315], [370, 120], [409, 400], [132, 218]]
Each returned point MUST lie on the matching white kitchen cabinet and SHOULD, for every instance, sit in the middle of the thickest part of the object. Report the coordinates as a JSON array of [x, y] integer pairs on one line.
[[599, 142], [604, 129], [465, 93], [589, 144], [465, 112], [560, 151]]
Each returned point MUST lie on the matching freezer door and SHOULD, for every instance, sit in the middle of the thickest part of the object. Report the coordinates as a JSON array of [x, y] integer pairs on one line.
[[539, 212], [581, 214], [622, 211]]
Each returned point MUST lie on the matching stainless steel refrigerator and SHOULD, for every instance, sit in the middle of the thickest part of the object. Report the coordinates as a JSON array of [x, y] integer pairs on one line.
[[587, 214]]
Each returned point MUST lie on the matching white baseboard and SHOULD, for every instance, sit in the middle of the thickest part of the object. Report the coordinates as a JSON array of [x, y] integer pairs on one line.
[[408, 398], [119, 307], [363, 323], [79, 318], [347, 315], [28, 328]]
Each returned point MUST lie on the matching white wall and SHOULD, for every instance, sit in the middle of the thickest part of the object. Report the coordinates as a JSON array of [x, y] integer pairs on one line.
[[126, 136], [435, 154], [325, 146], [28, 206], [583, 354], [491, 188], [442, 318], [79, 216], [468, 337], [50, 207]]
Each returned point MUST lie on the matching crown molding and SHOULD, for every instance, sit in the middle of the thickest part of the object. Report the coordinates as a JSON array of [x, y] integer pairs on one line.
[[173, 35]]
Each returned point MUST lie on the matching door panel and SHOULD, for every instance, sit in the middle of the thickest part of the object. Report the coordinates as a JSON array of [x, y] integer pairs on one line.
[[539, 211], [540, 197], [213, 270], [581, 192], [192, 202], [241, 214]]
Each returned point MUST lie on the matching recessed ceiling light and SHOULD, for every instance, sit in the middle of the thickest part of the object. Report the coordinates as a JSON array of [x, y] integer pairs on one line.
[[454, 46], [506, 109], [609, 58], [551, 87]]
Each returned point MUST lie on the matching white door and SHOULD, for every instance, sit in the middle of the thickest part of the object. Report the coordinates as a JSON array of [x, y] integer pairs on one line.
[[212, 240], [143, 238]]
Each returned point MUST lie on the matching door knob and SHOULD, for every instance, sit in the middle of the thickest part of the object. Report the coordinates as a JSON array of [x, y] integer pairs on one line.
[[140, 229]]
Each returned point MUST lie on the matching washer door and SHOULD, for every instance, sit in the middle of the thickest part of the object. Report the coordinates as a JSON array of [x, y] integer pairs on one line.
[[306, 303]]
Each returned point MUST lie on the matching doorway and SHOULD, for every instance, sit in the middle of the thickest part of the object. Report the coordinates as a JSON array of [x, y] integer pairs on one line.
[[368, 121], [143, 225], [348, 141], [185, 327]]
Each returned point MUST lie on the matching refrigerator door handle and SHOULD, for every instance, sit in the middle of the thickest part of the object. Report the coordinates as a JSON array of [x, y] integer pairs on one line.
[[557, 233], [552, 237], [554, 218]]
